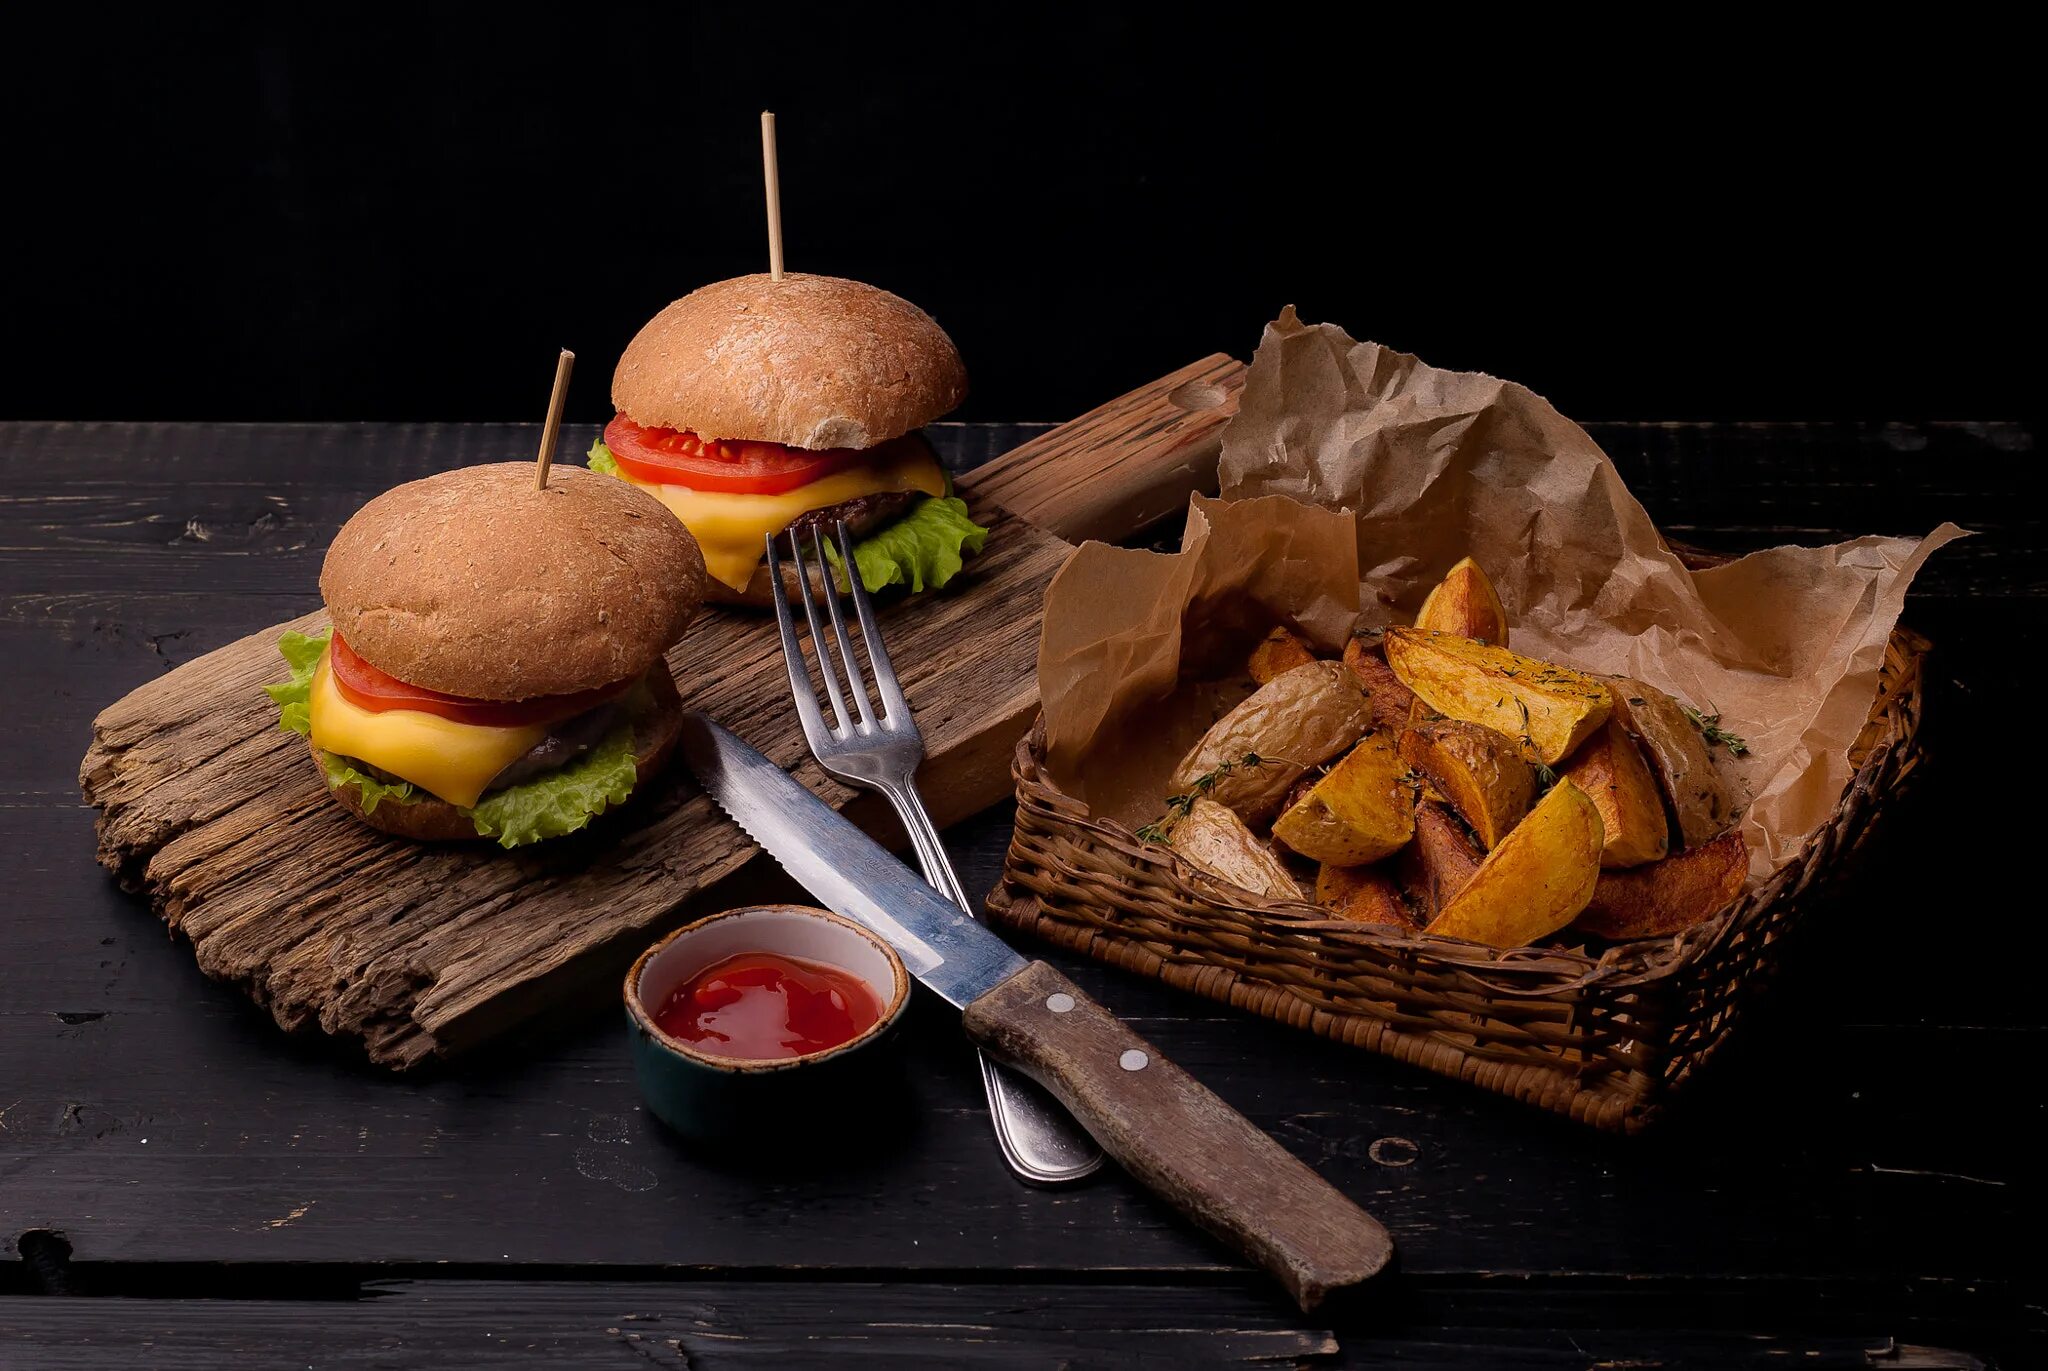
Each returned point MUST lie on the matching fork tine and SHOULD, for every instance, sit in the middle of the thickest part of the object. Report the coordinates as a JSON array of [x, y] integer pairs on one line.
[[893, 704], [856, 684], [803, 576], [793, 654]]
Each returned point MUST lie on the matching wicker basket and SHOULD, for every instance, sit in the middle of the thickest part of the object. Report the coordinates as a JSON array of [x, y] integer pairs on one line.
[[1603, 1039]]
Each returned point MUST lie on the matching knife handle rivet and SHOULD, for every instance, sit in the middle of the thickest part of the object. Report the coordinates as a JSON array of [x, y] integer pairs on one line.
[[1059, 1002], [1134, 1060]]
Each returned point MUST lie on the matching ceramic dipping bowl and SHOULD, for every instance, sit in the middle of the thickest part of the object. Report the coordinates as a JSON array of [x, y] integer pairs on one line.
[[726, 1100]]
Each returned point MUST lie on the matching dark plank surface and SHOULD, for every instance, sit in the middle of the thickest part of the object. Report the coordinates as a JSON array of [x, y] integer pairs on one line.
[[1860, 1172], [459, 1324]]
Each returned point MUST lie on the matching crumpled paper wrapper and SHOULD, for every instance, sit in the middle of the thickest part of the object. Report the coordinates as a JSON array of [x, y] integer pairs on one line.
[[1353, 477]]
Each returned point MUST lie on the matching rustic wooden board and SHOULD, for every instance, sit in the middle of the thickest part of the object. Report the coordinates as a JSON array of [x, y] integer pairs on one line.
[[418, 951], [1126, 465]]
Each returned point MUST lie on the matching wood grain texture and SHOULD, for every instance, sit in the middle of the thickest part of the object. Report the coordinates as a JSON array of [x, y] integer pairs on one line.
[[469, 1324], [1126, 465], [1186, 1145], [419, 950], [477, 1325]]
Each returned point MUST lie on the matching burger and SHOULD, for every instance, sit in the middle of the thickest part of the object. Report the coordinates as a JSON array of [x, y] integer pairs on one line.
[[754, 405], [494, 666]]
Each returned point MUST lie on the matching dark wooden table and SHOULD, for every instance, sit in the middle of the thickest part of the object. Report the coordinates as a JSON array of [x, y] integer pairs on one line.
[[1856, 1183]]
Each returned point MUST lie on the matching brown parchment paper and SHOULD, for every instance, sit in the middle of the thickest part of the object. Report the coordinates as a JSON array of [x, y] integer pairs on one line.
[[1353, 477]]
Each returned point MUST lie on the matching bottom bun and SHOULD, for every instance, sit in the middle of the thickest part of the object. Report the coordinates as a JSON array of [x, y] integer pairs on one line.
[[433, 820]]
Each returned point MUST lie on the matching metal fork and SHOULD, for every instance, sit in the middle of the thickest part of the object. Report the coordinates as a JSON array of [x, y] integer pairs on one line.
[[880, 751]]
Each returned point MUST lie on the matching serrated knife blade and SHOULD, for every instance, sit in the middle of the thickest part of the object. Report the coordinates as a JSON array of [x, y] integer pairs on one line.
[[849, 872]]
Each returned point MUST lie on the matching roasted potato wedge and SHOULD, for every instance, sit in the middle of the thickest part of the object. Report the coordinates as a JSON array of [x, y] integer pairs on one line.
[[1278, 651], [1479, 772], [1610, 768], [1552, 708], [1299, 719], [1362, 894], [1660, 899], [1391, 701], [1363, 810], [1537, 881], [1212, 837], [1699, 798], [1439, 862], [1464, 603]]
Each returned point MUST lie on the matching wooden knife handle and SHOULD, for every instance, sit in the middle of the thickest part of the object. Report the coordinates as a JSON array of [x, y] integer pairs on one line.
[[1125, 465], [1177, 1138]]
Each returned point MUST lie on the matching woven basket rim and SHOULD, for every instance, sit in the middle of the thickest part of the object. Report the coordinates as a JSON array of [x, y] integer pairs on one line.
[[1524, 972]]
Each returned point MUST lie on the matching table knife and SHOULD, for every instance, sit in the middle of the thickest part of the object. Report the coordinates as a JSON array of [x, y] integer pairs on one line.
[[1167, 1130]]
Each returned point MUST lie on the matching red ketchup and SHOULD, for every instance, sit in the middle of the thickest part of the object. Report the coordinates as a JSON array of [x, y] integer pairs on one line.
[[763, 1007]]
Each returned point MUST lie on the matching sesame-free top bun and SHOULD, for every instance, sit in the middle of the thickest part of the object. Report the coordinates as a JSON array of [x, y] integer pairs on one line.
[[807, 361], [474, 583]]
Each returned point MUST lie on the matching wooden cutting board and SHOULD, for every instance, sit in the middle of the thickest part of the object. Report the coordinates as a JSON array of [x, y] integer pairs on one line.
[[423, 951]]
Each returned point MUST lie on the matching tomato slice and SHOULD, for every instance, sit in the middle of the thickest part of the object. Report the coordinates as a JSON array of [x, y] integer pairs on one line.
[[674, 457], [367, 687]]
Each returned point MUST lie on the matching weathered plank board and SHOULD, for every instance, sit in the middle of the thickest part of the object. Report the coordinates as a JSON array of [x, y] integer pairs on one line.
[[1126, 465], [463, 1323], [422, 951], [475, 1325]]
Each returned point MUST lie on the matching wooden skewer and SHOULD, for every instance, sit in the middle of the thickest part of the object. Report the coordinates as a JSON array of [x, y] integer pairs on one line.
[[552, 431], [774, 180]]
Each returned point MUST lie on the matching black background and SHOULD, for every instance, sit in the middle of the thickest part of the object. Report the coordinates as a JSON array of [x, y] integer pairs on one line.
[[388, 214]]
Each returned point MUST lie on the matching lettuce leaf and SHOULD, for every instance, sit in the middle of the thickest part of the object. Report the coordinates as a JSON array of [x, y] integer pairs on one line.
[[342, 771], [922, 550], [301, 652], [561, 801]]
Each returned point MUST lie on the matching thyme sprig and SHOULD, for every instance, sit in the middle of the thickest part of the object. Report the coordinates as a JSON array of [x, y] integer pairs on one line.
[[1177, 806], [1709, 726], [1545, 776]]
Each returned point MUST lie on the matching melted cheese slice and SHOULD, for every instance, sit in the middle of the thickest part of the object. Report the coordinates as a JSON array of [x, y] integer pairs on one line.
[[450, 760], [730, 527]]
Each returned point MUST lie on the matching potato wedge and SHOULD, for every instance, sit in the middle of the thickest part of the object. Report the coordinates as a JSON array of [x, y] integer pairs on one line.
[[1391, 701], [1299, 719], [1537, 881], [1278, 651], [1552, 708], [1362, 894], [1660, 899], [1439, 862], [1610, 768], [1213, 838], [1362, 811], [1464, 603], [1698, 795], [1479, 772]]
